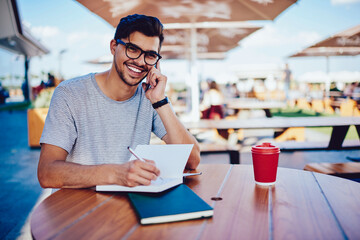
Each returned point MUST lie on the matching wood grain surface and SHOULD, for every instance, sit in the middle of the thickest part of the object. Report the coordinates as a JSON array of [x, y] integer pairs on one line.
[[299, 209], [343, 198], [301, 205]]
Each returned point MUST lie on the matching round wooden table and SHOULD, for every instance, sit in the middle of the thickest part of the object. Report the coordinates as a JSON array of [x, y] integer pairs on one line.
[[301, 205]]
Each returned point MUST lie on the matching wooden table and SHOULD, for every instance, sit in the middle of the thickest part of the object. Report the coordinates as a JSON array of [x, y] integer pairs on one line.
[[340, 125], [301, 205], [238, 105]]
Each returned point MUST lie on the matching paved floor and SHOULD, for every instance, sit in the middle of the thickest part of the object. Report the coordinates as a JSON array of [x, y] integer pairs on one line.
[[20, 189], [19, 186]]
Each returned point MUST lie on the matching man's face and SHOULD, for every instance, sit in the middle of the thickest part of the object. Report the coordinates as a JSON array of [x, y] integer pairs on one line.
[[133, 71]]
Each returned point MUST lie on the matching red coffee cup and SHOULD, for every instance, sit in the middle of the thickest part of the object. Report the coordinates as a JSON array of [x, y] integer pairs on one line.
[[265, 162]]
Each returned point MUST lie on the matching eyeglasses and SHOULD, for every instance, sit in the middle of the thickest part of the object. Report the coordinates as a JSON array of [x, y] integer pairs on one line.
[[134, 52]]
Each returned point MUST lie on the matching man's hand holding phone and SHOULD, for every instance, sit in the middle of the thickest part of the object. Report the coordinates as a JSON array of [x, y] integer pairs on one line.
[[155, 84]]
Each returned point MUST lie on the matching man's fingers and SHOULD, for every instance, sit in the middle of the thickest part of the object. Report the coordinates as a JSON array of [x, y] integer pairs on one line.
[[144, 86], [144, 178], [140, 173], [140, 167], [151, 167], [150, 162], [154, 76]]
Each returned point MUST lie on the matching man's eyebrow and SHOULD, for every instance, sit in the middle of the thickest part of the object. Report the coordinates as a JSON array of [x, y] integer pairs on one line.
[[151, 51]]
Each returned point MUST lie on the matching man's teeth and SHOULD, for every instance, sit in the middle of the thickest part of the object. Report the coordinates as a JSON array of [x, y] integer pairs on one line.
[[134, 69]]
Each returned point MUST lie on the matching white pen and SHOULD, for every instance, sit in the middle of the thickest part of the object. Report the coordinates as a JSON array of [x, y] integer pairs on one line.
[[191, 174], [137, 156]]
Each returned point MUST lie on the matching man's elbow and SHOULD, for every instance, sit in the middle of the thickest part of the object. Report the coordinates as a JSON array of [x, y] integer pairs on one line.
[[192, 164], [44, 183], [194, 159], [45, 180]]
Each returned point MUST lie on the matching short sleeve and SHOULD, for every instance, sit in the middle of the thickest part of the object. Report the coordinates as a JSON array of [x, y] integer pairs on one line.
[[60, 129], [158, 126]]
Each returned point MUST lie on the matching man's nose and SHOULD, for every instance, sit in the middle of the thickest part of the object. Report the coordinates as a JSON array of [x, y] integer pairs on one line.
[[141, 60]]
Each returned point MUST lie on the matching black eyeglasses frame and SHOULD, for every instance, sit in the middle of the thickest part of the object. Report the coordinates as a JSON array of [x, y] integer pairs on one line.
[[127, 45]]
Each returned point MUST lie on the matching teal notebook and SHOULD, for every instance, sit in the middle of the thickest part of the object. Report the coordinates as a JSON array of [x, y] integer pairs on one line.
[[176, 204]]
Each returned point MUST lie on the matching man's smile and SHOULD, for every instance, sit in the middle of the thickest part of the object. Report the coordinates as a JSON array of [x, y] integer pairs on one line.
[[135, 69]]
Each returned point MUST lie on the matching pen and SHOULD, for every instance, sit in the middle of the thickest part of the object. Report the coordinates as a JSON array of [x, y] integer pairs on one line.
[[137, 156], [191, 174]]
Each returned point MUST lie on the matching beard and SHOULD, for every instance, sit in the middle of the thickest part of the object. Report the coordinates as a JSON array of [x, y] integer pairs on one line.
[[122, 77]]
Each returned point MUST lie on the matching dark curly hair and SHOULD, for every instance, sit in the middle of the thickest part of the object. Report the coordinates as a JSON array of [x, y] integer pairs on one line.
[[147, 25]]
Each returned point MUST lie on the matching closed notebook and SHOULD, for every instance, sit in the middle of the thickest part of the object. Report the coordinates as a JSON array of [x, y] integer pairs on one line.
[[176, 204]]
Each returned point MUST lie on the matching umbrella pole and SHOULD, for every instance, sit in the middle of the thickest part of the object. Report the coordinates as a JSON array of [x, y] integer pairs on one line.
[[327, 83], [195, 110]]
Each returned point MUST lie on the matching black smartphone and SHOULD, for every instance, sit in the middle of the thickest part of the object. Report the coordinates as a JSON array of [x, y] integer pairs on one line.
[[148, 86]]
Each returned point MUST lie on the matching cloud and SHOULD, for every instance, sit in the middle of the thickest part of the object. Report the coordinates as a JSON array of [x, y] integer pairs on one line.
[[307, 38], [44, 32], [270, 36], [79, 45], [86, 39], [50, 36], [339, 2], [56, 38]]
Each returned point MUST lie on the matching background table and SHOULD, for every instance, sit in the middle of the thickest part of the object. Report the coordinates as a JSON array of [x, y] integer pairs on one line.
[[302, 205], [238, 105], [340, 125]]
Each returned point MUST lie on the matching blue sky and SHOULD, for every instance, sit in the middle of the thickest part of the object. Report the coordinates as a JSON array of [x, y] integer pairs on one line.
[[65, 24]]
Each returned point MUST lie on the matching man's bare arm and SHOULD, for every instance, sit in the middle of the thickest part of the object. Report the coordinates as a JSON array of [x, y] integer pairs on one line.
[[55, 172], [178, 134]]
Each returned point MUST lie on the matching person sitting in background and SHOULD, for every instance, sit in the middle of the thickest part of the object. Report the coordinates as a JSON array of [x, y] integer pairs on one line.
[[51, 80], [348, 91], [212, 104], [334, 88], [37, 90], [335, 93], [3, 94], [356, 92], [232, 91]]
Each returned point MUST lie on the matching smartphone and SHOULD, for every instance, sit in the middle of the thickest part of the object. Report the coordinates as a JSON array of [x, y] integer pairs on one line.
[[148, 86]]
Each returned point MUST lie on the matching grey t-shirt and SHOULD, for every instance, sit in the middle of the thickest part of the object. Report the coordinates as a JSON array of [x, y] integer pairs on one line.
[[95, 129]]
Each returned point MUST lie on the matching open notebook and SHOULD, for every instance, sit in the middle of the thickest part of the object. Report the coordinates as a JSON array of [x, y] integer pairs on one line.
[[170, 159]]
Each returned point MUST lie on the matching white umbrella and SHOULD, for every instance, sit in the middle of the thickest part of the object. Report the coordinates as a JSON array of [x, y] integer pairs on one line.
[[191, 13], [345, 43]]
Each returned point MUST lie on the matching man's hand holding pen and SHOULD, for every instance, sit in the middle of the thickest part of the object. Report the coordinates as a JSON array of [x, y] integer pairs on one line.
[[140, 171], [134, 173]]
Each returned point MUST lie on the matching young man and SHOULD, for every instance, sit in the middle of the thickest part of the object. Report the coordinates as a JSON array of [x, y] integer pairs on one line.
[[94, 118]]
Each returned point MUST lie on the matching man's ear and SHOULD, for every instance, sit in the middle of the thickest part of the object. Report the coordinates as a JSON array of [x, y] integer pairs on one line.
[[113, 46]]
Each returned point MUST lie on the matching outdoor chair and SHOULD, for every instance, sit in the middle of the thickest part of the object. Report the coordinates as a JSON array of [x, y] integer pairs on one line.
[[317, 105], [327, 106], [303, 103], [349, 108]]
